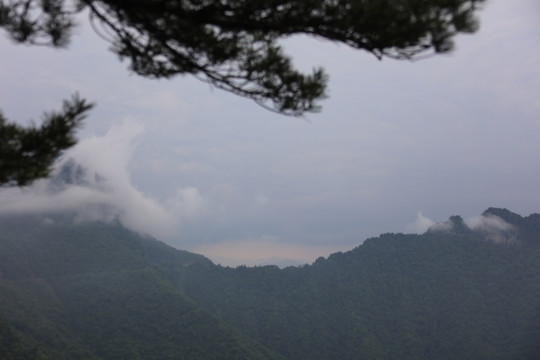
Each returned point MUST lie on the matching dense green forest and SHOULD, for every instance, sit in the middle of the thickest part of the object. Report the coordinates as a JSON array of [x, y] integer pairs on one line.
[[99, 291]]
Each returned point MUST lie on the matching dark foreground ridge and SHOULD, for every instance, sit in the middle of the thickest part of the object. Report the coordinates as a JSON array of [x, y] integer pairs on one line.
[[99, 291]]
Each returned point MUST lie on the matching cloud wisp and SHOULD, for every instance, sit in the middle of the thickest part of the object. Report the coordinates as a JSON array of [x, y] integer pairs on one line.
[[488, 223], [420, 225], [484, 223], [92, 182]]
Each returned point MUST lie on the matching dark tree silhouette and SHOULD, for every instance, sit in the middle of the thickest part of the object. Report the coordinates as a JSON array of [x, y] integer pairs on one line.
[[27, 154], [233, 44]]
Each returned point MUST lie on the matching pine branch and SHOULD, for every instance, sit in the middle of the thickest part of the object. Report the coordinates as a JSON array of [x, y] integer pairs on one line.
[[27, 154]]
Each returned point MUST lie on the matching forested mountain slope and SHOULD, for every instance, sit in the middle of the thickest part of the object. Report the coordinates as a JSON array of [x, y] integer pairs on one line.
[[396, 296], [99, 291], [93, 291]]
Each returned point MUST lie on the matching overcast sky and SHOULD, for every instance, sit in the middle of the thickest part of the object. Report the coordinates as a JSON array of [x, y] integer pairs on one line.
[[397, 145]]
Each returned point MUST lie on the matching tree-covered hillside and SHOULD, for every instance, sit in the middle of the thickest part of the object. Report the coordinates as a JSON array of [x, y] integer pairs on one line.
[[99, 291], [93, 291], [396, 296]]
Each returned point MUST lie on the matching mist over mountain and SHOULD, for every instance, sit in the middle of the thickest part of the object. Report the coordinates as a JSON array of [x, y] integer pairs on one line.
[[96, 290], [95, 185], [71, 173]]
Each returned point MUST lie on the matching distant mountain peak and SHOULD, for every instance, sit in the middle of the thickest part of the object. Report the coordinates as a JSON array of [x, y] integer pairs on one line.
[[454, 225], [489, 226], [458, 225], [496, 225], [504, 214], [71, 173]]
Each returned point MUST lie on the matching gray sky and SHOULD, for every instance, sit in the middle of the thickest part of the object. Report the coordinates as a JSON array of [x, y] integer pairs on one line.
[[210, 172]]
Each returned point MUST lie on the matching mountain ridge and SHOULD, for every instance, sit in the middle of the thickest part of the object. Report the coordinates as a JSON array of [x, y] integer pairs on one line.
[[100, 291]]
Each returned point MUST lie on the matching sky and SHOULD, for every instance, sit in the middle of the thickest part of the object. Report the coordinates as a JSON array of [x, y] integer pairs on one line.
[[398, 145]]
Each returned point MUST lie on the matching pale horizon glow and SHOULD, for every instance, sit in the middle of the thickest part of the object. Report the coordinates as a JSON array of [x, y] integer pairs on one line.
[[265, 251]]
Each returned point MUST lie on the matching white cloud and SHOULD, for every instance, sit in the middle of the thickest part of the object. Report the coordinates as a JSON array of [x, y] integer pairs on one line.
[[103, 191], [442, 226], [420, 225], [489, 223]]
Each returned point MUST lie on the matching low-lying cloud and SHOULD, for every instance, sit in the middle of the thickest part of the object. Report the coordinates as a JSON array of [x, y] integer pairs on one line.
[[486, 223], [489, 223], [92, 182], [420, 225]]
